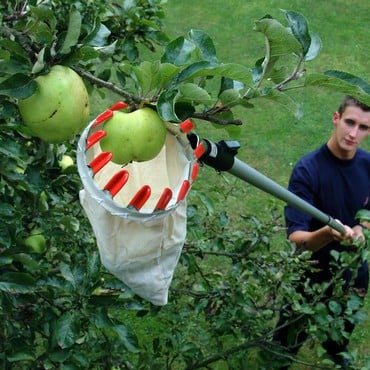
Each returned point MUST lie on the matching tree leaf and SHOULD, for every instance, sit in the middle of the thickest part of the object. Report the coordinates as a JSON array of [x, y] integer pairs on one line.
[[93, 266], [179, 52], [230, 84], [40, 62], [45, 14], [341, 82], [148, 76], [299, 27], [286, 101], [184, 110], [13, 149], [5, 238], [190, 92], [232, 71], [167, 71], [18, 86], [67, 329], [166, 106], [83, 54], [18, 282], [42, 34], [13, 47], [23, 355], [59, 355], [350, 78], [129, 341], [73, 32], [70, 223], [230, 98], [99, 35], [315, 47], [12, 67], [280, 41], [101, 318], [363, 215], [27, 261], [205, 44], [68, 274], [335, 307], [207, 201], [6, 210]]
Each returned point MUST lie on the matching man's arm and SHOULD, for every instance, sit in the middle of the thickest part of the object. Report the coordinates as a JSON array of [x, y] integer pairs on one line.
[[315, 240]]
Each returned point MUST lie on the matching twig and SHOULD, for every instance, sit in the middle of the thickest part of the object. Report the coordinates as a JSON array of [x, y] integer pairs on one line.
[[108, 85], [206, 116], [223, 355], [11, 34]]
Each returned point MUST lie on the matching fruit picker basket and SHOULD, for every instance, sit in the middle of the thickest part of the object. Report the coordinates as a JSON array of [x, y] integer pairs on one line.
[[138, 210]]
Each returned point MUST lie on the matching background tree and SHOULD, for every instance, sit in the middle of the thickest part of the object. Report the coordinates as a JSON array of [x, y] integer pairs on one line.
[[59, 307]]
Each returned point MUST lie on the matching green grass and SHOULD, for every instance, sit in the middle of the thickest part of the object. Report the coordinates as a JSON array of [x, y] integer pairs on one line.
[[271, 142]]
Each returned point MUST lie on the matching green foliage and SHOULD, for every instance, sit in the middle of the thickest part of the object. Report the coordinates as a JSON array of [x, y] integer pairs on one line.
[[58, 306], [280, 70], [53, 305], [90, 35]]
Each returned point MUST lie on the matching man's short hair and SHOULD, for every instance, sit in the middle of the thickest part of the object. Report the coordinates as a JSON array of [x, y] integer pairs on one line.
[[350, 101]]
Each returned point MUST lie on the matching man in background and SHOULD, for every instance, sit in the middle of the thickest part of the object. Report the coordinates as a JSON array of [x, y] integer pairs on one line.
[[335, 178]]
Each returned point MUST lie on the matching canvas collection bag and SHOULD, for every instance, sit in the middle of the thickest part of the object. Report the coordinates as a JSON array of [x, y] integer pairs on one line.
[[141, 247]]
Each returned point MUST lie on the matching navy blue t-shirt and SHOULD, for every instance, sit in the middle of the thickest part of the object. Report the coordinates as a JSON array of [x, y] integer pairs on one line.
[[339, 188]]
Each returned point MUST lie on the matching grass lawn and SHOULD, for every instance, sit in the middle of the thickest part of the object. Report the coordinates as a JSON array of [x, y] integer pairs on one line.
[[271, 141]]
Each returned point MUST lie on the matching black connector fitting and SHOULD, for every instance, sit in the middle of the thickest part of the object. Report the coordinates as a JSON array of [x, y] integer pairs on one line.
[[219, 156]]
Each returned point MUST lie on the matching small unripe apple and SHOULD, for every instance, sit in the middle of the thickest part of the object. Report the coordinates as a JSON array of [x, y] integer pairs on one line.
[[59, 108], [65, 162], [36, 241], [137, 136]]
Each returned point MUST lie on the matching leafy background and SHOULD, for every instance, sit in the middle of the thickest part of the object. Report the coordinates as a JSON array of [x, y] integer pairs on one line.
[[60, 308]]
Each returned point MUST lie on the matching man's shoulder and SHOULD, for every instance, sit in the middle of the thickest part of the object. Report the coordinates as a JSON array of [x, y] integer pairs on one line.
[[363, 154], [312, 157]]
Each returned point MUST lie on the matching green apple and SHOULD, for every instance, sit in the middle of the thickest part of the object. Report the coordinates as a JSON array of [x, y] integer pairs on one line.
[[59, 108], [36, 241], [136, 136], [65, 162]]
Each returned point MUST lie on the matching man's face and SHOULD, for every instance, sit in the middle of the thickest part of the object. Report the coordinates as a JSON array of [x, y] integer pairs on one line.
[[351, 128]]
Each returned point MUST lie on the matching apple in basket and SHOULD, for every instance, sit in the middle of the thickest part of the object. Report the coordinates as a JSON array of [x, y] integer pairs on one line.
[[134, 136], [59, 108]]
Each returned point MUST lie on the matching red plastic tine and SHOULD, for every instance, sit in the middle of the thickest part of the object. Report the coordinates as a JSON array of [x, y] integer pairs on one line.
[[140, 197], [164, 199], [94, 138], [195, 170], [117, 181], [102, 117], [119, 105], [186, 126], [100, 161], [183, 190], [199, 150]]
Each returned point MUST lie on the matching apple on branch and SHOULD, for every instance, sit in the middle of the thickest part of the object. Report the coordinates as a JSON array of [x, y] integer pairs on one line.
[[59, 108], [65, 162], [134, 136], [36, 241]]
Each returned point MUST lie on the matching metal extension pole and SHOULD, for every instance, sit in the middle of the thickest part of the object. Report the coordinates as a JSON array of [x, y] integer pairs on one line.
[[221, 156], [252, 176]]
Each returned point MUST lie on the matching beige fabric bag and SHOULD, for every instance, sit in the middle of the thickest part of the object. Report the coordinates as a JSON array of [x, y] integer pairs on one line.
[[141, 248]]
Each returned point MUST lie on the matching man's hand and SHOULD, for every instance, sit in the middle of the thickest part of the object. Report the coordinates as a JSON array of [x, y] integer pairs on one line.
[[348, 235], [359, 233]]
